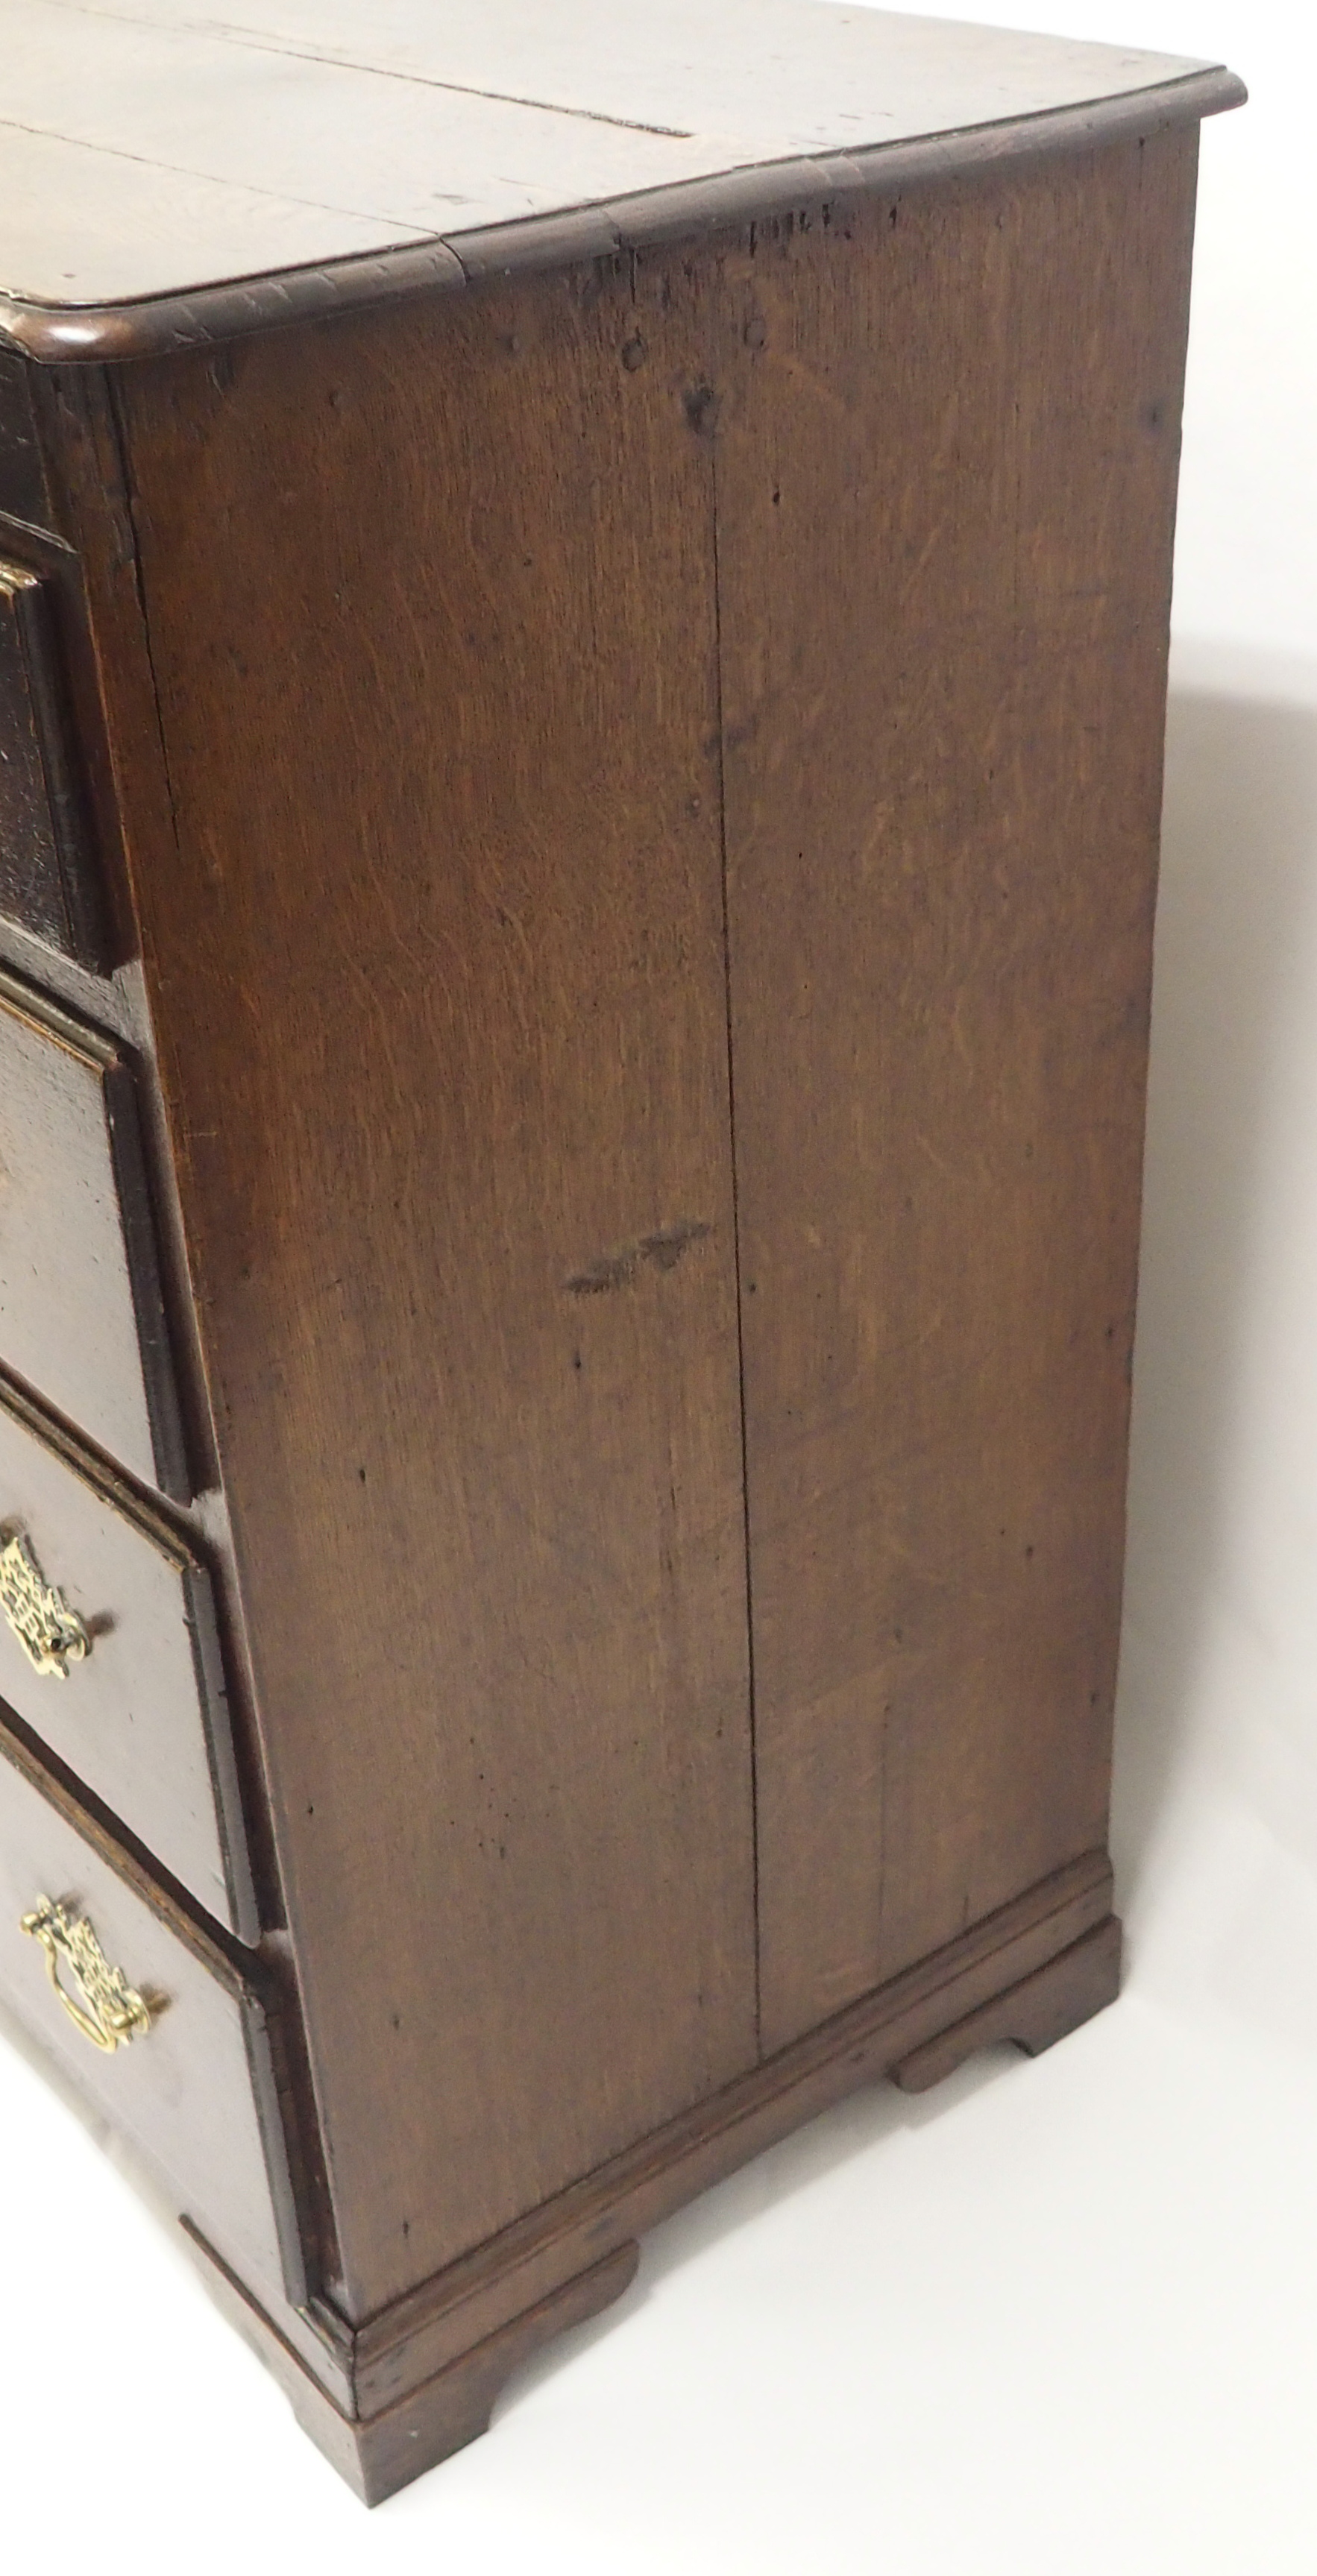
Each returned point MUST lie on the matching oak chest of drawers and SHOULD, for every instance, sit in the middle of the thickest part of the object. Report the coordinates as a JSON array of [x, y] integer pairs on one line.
[[578, 813]]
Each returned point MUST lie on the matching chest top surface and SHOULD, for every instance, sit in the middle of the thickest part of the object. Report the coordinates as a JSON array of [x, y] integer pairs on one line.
[[155, 149]]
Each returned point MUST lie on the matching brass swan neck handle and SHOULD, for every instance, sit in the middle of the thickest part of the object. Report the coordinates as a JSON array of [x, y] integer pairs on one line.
[[51, 1635], [106, 2009]]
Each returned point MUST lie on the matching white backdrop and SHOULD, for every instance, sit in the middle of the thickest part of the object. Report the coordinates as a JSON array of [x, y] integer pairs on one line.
[[1058, 2316]]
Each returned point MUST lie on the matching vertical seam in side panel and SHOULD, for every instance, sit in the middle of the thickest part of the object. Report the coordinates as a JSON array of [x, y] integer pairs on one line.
[[736, 1241]]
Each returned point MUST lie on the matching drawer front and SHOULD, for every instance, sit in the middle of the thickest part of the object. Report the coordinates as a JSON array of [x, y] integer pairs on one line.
[[190, 2081], [81, 1314], [47, 881], [109, 1652]]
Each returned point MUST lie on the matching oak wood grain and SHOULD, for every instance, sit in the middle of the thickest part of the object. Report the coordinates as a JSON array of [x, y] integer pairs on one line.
[[684, 211], [1041, 1956], [944, 654], [162, 153], [109, 649], [638, 792], [438, 981], [633, 2192], [1032, 2015]]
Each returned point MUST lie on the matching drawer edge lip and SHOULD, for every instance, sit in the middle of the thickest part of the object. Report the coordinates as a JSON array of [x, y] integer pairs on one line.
[[258, 2039], [53, 1019], [243, 1981], [128, 1159], [110, 1484], [406, 2341], [121, 1071], [107, 334], [95, 1468], [221, 1758], [215, 1949]]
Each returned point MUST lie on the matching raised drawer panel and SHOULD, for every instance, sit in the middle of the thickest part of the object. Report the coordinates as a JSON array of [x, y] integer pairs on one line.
[[81, 1315], [140, 1712], [47, 883], [194, 2091]]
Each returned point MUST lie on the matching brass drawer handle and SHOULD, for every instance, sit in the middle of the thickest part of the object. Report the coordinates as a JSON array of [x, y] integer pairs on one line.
[[51, 1635], [110, 2011]]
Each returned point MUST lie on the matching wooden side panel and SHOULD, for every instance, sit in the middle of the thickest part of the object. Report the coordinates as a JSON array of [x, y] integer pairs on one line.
[[438, 977], [945, 495]]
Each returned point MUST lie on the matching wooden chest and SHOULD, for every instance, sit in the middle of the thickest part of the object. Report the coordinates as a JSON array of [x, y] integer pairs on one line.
[[580, 758]]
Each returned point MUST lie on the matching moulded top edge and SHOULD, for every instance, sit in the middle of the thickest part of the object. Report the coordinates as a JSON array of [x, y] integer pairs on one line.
[[212, 299]]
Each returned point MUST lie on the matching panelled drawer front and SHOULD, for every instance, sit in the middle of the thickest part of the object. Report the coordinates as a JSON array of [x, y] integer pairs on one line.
[[46, 879], [81, 1313], [194, 2090], [140, 1714]]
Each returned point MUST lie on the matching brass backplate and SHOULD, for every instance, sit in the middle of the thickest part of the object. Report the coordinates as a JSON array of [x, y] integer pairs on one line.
[[51, 1635]]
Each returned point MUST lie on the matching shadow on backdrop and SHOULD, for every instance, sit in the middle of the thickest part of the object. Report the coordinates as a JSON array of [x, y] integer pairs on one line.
[[1236, 943], [1236, 940], [1236, 936]]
